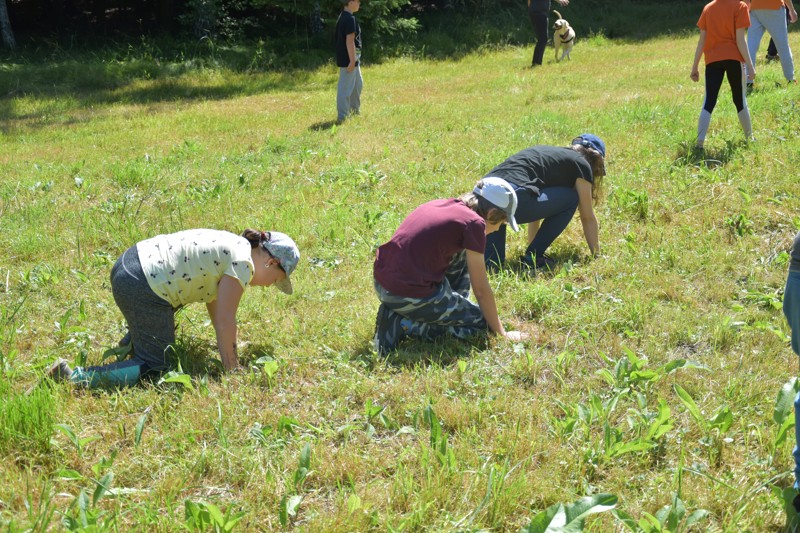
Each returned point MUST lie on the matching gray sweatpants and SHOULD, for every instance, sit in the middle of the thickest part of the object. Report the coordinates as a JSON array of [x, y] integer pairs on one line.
[[151, 323], [348, 92], [151, 319]]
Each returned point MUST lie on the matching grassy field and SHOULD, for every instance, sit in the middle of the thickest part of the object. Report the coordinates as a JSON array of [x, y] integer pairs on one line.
[[654, 369]]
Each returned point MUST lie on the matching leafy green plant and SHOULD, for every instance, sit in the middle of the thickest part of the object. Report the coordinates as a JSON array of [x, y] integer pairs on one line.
[[287, 424], [205, 516], [560, 518], [177, 376], [714, 427], [86, 515], [770, 299], [651, 426], [438, 439], [303, 467], [374, 412], [631, 372], [290, 502], [739, 225], [783, 413], [671, 518], [269, 367], [137, 436], [289, 505], [636, 203], [79, 443], [786, 496]]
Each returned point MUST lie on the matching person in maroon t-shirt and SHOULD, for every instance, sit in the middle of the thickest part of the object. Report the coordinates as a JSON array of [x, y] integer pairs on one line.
[[423, 274]]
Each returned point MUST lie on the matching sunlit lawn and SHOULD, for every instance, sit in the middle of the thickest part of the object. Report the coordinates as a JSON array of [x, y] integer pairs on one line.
[[652, 375]]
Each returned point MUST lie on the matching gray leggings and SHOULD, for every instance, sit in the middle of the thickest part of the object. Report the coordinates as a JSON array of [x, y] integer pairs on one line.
[[151, 324], [151, 319]]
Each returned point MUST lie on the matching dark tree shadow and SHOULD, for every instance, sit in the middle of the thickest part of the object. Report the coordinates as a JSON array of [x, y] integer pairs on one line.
[[251, 353], [562, 259]]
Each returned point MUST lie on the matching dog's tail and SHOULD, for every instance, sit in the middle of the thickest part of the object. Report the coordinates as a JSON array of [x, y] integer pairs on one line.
[[557, 13]]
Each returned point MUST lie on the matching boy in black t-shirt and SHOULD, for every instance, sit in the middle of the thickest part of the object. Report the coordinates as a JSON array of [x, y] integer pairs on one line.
[[348, 52]]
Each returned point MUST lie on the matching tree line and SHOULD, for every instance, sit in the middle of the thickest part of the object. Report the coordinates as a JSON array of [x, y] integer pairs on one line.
[[237, 20], [230, 19]]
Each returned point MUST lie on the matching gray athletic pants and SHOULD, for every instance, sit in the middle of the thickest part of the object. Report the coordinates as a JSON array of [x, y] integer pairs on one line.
[[151, 323], [348, 92]]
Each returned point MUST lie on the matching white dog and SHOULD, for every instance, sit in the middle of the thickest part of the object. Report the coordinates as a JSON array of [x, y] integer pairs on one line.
[[564, 36]]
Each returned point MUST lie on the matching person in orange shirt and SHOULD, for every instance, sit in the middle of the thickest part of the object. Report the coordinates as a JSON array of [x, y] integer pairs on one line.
[[722, 27], [769, 15]]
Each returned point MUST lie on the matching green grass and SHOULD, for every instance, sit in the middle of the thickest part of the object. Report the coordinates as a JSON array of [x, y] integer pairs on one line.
[[693, 268]]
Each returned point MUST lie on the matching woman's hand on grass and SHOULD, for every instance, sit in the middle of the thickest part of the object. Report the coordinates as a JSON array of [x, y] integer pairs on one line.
[[516, 336]]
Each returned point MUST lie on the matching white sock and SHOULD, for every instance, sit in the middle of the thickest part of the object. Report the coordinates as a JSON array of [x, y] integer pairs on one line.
[[744, 120], [702, 126]]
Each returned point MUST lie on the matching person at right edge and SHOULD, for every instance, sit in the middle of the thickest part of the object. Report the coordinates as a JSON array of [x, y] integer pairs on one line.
[[348, 58], [722, 41], [538, 11], [791, 310]]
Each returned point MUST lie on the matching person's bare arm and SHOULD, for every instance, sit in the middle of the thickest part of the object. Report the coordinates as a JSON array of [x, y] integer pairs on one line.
[[483, 293], [223, 316], [741, 44], [698, 53], [591, 228], [792, 12]]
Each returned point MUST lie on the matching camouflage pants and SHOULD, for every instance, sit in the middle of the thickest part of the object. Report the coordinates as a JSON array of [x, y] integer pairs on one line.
[[448, 311]]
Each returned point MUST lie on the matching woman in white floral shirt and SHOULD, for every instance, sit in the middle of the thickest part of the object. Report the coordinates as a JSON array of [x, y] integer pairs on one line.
[[158, 276]]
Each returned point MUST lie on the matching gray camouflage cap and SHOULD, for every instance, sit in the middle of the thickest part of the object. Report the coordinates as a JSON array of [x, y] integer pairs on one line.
[[283, 248]]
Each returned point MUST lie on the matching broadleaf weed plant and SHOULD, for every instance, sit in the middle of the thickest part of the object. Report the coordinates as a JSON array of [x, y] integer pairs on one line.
[[714, 428]]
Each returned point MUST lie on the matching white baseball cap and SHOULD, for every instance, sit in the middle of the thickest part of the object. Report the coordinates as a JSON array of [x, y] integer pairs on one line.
[[500, 193]]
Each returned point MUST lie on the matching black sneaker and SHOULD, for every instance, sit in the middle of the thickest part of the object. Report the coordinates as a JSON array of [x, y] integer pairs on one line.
[[59, 371], [388, 331], [540, 262]]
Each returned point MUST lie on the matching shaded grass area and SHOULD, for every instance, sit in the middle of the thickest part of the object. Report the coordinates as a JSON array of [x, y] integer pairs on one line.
[[103, 73]]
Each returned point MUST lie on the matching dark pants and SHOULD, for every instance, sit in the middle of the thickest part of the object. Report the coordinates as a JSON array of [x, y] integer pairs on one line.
[[555, 207], [539, 21], [715, 73]]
